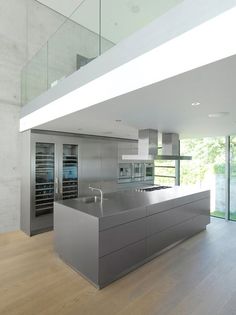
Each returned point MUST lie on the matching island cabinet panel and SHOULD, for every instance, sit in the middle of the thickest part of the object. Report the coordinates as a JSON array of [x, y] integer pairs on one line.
[[107, 222], [176, 233], [113, 266], [165, 219], [120, 236], [176, 202], [76, 240]]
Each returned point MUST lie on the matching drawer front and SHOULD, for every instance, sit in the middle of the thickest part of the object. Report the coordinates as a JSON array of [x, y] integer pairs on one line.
[[117, 264], [159, 241], [120, 236], [178, 202], [163, 220], [123, 217]]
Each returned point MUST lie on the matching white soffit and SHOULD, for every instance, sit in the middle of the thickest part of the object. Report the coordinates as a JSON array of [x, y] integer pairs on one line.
[[204, 44]]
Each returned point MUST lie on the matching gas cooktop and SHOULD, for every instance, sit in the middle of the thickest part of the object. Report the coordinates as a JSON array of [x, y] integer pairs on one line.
[[153, 188]]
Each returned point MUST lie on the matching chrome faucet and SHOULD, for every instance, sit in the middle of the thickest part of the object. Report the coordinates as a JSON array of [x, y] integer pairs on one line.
[[98, 189]]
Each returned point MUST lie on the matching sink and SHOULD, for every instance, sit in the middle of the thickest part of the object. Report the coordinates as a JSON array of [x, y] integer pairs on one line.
[[90, 199], [93, 199]]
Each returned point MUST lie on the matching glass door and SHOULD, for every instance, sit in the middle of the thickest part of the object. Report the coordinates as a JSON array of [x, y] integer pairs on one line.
[[70, 171], [56, 174], [44, 178], [232, 182], [207, 169], [149, 171], [137, 172]]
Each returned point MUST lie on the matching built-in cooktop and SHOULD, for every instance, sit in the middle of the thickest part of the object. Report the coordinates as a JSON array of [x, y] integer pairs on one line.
[[153, 188]]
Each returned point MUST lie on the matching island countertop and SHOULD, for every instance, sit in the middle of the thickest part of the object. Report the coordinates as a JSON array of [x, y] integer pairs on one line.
[[118, 202]]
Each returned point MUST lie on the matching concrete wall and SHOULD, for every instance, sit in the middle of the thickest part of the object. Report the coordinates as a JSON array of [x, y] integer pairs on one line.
[[12, 56], [15, 16], [220, 193], [219, 202]]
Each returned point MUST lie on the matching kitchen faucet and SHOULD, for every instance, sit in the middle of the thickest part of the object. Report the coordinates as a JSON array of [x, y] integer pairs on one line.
[[98, 189]]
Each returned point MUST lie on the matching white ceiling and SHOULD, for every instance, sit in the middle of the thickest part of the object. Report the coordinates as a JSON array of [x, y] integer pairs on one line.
[[119, 18], [65, 7], [165, 106]]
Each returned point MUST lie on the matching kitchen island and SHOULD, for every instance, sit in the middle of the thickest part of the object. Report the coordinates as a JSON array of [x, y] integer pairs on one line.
[[105, 240]]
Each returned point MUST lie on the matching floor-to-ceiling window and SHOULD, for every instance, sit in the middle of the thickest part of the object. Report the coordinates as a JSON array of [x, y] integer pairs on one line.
[[165, 173], [207, 170], [232, 179]]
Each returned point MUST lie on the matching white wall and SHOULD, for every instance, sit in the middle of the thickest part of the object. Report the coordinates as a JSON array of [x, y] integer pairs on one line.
[[14, 52]]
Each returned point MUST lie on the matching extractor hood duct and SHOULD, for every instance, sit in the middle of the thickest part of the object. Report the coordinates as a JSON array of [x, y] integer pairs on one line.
[[148, 147]]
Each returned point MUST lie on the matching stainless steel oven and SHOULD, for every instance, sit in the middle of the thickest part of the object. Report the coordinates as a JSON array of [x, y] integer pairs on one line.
[[138, 174], [125, 173]]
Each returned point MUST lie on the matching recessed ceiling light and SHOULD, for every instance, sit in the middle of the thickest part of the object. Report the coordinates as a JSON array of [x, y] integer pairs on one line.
[[218, 115], [135, 9], [196, 104]]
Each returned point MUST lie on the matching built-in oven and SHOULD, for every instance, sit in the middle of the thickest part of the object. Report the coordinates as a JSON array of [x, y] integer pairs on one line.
[[125, 172], [138, 174], [148, 171]]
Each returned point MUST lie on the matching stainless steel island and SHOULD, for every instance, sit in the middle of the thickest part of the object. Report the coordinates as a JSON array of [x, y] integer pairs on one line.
[[104, 241]]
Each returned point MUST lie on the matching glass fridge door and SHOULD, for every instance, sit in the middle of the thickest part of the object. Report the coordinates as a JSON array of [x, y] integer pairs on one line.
[[44, 178], [70, 171], [149, 171]]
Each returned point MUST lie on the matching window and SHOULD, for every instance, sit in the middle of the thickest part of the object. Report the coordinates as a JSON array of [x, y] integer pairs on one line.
[[165, 173], [232, 181], [206, 170]]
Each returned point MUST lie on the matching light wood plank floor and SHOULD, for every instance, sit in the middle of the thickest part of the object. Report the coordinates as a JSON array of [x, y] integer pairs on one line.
[[198, 277]]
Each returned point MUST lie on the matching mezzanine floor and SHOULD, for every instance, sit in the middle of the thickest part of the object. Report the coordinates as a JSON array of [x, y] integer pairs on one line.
[[198, 277]]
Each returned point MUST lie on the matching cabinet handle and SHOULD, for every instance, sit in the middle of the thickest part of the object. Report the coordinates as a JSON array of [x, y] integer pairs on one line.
[[56, 185], [61, 190]]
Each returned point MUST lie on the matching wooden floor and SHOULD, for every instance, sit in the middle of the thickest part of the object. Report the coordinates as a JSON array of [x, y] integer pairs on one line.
[[198, 277]]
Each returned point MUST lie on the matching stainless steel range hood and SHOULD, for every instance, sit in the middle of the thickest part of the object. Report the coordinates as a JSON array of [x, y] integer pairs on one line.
[[148, 147]]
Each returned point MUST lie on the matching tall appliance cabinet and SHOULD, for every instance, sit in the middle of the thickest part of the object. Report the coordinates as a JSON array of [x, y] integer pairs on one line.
[[50, 171]]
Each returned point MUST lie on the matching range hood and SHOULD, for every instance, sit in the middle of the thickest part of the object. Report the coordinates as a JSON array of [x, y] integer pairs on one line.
[[148, 147]]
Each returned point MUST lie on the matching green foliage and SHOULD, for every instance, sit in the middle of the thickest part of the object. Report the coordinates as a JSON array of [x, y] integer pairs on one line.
[[219, 169], [233, 170], [207, 153], [209, 159], [218, 214]]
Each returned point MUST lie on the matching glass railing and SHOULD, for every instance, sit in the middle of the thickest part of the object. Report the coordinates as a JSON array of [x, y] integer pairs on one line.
[[93, 28], [34, 76]]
